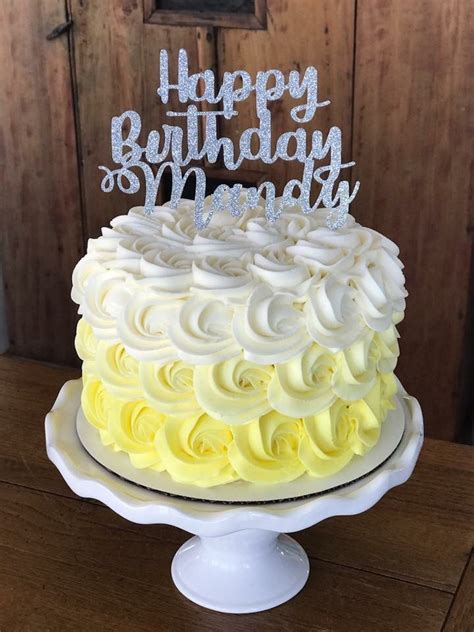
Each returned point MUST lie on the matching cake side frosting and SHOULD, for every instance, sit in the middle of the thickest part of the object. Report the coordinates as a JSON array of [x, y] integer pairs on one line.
[[213, 425], [247, 350]]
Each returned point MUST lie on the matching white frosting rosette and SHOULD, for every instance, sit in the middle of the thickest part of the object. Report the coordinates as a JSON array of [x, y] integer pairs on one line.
[[259, 232], [107, 293], [143, 327], [167, 272], [201, 332], [220, 242], [381, 293], [296, 225], [82, 273], [224, 276], [234, 390], [332, 319], [179, 233], [270, 328], [324, 250], [128, 253], [275, 268]]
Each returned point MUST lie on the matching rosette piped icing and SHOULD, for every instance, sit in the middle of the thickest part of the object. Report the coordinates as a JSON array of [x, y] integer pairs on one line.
[[248, 350]]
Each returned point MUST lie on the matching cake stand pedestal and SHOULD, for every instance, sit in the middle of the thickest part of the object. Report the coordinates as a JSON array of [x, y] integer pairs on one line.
[[240, 559]]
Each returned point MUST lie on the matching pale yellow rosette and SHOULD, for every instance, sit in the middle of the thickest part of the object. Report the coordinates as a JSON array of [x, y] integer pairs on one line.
[[380, 398], [386, 350], [169, 387], [98, 406], [356, 369], [234, 390], [266, 449], [332, 437], [303, 386], [195, 450], [86, 344], [118, 370], [133, 427]]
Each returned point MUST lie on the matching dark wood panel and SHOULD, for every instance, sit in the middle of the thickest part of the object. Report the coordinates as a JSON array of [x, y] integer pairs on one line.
[[414, 94], [117, 69], [40, 218], [108, 58], [70, 568]]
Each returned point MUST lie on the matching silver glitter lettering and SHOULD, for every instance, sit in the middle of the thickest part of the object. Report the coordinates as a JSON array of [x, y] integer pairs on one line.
[[165, 147]]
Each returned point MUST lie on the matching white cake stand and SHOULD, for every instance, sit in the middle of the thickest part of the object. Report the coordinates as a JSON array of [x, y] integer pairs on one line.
[[240, 559]]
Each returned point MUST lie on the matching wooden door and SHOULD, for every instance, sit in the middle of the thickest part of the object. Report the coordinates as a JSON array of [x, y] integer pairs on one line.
[[400, 79]]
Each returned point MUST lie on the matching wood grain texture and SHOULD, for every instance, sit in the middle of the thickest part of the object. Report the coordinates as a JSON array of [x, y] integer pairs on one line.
[[461, 613], [70, 567], [27, 391], [117, 69], [108, 67], [40, 218], [299, 34], [420, 533], [414, 93]]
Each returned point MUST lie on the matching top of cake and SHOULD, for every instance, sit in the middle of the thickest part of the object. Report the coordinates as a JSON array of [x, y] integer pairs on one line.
[[241, 286]]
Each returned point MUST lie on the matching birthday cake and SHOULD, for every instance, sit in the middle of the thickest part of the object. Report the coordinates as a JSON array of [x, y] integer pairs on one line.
[[249, 350]]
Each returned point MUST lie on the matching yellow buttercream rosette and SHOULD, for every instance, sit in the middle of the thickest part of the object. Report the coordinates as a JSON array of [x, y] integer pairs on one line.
[[266, 450], [134, 427], [303, 386], [214, 424], [118, 370], [170, 387], [97, 406], [331, 438], [195, 450], [85, 341], [234, 390]]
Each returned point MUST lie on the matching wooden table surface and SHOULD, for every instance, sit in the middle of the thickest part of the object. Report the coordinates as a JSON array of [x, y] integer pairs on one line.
[[71, 564]]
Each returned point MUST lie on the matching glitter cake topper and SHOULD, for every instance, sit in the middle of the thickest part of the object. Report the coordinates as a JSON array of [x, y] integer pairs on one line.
[[165, 147]]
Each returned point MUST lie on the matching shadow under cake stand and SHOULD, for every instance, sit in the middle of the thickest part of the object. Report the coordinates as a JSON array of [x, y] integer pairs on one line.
[[240, 559]]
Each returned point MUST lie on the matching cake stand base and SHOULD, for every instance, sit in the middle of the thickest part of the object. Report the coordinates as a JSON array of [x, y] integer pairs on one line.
[[239, 561], [247, 571]]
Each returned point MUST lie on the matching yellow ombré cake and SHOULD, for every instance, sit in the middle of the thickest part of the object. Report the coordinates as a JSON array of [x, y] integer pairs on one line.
[[248, 350]]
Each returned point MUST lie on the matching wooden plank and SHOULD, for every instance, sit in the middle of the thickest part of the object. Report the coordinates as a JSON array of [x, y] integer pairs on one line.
[[420, 532], [40, 221], [117, 68], [27, 392], [414, 94], [108, 63], [70, 567], [311, 33], [461, 613]]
